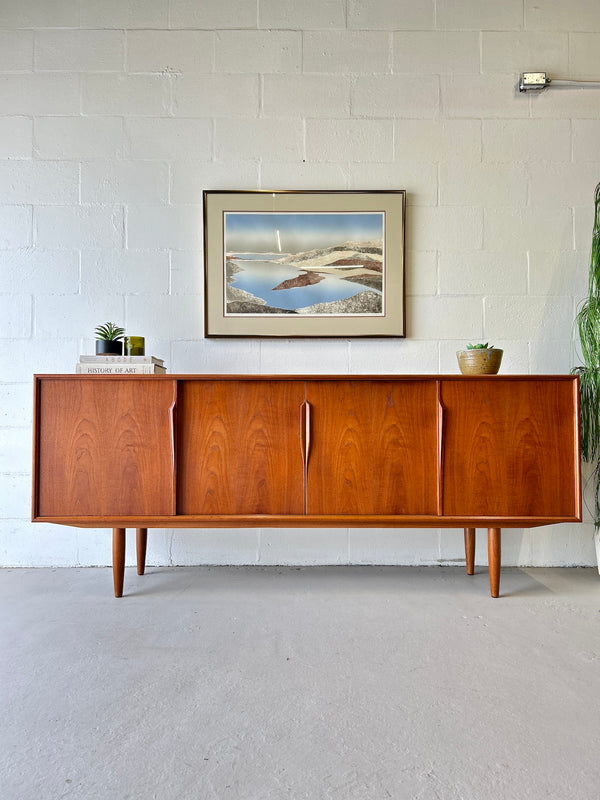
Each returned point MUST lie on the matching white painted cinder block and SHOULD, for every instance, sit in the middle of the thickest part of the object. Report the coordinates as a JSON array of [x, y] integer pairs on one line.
[[475, 15], [579, 15], [124, 14], [525, 51], [16, 137], [124, 272], [445, 228], [415, 96], [419, 180], [583, 48], [216, 356], [220, 546], [586, 133], [391, 14], [557, 184], [483, 273], [413, 547], [281, 175], [258, 51], [125, 182], [221, 14], [444, 317], [306, 96], [73, 138], [168, 138], [568, 104], [483, 185], [483, 96], [531, 140], [15, 226], [39, 14], [393, 357], [562, 272], [162, 226], [136, 95], [358, 140], [528, 317], [170, 51], [15, 444], [24, 357], [84, 312], [16, 51], [16, 409], [277, 140], [43, 182], [347, 52], [313, 546], [16, 316], [36, 271], [304, 356], [215, 95], [190, 178], [79, 50], [170, 317], [522, 229], [39, 93], [438, 141], [187, 274], [309, 15], [79, 226], [436, 52]]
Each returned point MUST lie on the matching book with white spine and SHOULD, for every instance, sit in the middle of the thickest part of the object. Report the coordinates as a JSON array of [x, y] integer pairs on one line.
[[120, 360], [119, 369]]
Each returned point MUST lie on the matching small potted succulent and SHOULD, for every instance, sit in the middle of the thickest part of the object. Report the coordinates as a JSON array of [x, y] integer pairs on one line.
[[479, 359], [109, 340]]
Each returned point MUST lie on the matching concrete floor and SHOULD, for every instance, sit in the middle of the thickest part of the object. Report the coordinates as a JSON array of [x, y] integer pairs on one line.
[[272, 683]]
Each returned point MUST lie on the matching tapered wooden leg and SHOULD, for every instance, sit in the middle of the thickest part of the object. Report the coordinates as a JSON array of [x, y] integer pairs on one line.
[[470, 550], [141, 539], [494, 560], [118, 559]]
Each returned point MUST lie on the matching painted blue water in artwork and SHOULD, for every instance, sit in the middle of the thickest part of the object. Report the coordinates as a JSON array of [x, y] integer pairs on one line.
[[260, 277]]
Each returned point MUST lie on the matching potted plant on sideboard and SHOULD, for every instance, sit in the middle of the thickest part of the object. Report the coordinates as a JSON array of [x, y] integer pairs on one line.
[[587, 326], [479, 359], [109, 339]]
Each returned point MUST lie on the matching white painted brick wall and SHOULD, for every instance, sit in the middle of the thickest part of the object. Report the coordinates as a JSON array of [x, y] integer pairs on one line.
[[79, 51], [116, 114], [170, 51]]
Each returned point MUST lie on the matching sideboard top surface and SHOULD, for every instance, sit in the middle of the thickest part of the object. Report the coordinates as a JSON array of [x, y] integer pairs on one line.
[[301, 377]]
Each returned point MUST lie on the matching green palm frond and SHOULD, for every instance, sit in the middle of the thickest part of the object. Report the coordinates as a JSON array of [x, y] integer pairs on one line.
[[587, 325]]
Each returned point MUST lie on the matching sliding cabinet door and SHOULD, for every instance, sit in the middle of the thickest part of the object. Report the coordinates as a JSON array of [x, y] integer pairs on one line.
[[239, 448], [373, 447], [510, 447], [104, 447]]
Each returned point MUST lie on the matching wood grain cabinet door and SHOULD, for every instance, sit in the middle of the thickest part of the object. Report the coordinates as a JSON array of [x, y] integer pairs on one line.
[[104, 447], [373, 447], [239, 448], [510, 447]]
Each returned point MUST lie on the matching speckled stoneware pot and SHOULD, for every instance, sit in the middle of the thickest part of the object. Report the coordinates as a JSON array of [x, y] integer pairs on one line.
[[479, 362]]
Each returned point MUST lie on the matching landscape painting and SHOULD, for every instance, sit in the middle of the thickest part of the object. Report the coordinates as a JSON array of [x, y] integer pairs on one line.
[[304, 263]]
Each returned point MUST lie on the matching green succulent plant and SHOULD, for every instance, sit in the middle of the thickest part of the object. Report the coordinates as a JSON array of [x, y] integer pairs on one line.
[[109, 332], [480, 346]]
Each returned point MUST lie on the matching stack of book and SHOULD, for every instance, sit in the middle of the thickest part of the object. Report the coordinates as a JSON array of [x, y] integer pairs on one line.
[[120, 365]]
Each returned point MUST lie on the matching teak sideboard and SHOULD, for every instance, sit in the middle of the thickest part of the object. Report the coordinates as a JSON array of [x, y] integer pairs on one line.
[[225, 451]]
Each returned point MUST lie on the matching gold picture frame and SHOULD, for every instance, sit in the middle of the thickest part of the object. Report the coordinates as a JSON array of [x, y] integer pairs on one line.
[[304, 263]]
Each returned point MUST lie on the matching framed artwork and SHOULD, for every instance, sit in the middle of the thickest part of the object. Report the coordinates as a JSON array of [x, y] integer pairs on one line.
[[304, 263]]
